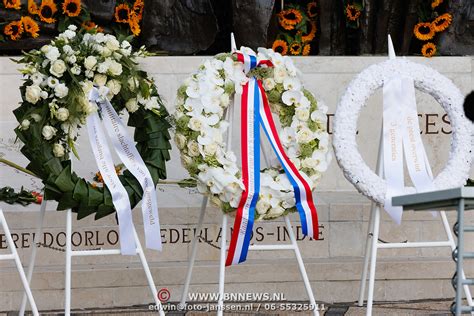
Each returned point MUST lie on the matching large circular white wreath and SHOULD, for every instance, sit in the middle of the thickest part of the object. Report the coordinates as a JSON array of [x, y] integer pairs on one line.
[[426, 80], [200, 126]]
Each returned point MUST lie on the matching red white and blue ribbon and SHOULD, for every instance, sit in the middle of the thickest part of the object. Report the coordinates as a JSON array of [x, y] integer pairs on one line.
[[255, 112]]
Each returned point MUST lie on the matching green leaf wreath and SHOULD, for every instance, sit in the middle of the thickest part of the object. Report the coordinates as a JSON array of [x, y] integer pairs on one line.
[[58, 78]]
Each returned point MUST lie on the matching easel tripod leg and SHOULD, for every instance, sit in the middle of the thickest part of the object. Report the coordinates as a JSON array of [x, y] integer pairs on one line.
[[67, 277], [373, 260], [34, 250], [367, 255], [194, 245], [299, 259], [149, 277], [220, 303], [18, 264]]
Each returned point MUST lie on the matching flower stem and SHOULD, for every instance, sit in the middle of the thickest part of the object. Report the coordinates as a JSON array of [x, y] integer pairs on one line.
[[14, 165]]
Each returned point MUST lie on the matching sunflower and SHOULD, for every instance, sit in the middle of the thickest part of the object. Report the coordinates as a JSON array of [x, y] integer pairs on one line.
[[72, 7], [30, 26], [12, 4], [138, 7], [290, 17], [32, 7], [14, 30], [428, 50], [436, 3], [280, 46], [311, 34], [352, 13], [134, 26], [424, 31], [306, 49], [442, 22], [311, 9], [47, 10], [295, 48], [122, 13]]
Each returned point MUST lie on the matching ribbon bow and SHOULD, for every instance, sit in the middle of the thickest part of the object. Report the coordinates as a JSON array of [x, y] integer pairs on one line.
[[255, 112], [125, 148]]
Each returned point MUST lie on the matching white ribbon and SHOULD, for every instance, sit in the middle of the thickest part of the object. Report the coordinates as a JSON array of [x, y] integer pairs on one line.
[[401, 134], [125, 148]]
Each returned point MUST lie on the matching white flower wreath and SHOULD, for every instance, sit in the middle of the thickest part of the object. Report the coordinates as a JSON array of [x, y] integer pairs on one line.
[[426, 80], [200, 126]]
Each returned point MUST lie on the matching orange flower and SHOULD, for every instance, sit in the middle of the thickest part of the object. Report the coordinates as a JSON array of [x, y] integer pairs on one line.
[[424, 31], [30, 26], [134, 26], [311, 34], [352, 13], [14, 30], [12, 4], [289, 18], [32, 7], [47, 10], [122, 13], [295, 48], [138, 7], [428, 50], [88, 25], [306, 49], [436, 3], [442, 22], [311, 9], [72, 7], [280, 46]]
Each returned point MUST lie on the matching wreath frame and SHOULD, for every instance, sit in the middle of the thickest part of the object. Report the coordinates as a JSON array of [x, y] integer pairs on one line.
[[427, 80], [61, 183], [218, 163]]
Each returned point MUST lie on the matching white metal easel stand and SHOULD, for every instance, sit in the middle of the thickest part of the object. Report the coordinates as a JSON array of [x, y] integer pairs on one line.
[[14, 256], [78, 253], [223, 244], [373, 244]]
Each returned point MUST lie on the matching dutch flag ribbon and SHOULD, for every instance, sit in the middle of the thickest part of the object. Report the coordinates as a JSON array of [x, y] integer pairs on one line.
[[255, 112]]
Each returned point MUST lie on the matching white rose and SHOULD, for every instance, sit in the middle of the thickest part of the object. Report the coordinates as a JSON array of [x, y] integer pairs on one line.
[[195, 124], [68, 50], [90, 62], [87, 86], [88, 107], [193, 149], [112, 44], [62, 114], [58, 67], [103, 67], [36, 117], [44, 95], [48, 132], [302, 114], [69, 34], [279, 73], [210, 149], [115, 68], [269, 84], [305, 135], [105, 52], [276, 211], [58, 150], [72, 27], [100, 79], [180, 140], [25, 124], [186, 160], [52, 53], [33, 94], [262, 206], [61, 90], [132, 105]]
